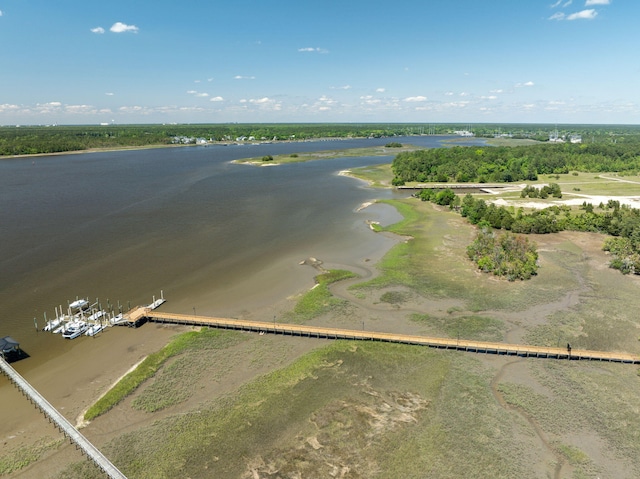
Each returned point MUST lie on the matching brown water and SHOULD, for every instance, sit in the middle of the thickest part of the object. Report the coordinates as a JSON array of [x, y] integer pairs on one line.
[[215, 236]]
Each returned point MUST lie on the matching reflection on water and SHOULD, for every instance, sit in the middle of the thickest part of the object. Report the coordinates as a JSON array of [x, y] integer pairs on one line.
[[124, 225]]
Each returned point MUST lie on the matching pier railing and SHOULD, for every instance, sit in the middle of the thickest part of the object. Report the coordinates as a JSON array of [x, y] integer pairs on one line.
[[434, 342], [61, 422]]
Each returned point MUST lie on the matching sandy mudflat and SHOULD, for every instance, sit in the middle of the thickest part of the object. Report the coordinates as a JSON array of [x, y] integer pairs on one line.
[[73, 381]]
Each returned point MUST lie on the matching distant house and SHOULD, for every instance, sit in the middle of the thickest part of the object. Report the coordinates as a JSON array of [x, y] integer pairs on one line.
[[575, 139], [464, 133]]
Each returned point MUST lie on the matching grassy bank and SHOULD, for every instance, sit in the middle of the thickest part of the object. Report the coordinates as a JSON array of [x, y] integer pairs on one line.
[[319, 299], [434, 264], [374, 409], [359, 409], [191, 341], [325, 155]]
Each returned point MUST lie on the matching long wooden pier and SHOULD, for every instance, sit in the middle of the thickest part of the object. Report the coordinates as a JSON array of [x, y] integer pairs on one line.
[[61, 422], [147, 314]]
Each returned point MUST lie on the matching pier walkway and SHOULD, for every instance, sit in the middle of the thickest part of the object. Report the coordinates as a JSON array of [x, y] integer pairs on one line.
[[145, 313], [61, 422]]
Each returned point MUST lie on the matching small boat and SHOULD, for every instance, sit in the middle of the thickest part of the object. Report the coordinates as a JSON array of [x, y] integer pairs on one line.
[[95, 329], [95, 316], [75, 329], [117, 318], [60, 329], [51, 325], [79, 304]]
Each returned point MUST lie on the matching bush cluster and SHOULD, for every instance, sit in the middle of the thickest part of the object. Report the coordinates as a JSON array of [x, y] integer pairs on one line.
[[507, 255]]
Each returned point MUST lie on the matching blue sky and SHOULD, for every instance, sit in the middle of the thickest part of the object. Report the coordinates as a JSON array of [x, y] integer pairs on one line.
[[431, 61]]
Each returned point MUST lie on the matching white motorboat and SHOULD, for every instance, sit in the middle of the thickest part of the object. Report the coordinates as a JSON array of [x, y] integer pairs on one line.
[[79, 304], [75, 329], [52, 324], [94, 329]]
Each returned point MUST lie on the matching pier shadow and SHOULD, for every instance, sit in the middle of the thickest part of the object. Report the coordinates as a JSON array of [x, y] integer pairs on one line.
[[14, 356]]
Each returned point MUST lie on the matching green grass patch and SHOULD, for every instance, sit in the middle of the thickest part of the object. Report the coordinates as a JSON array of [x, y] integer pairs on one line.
[[395, 297], [435, 264], [330, 154], [380, 410], [26, 455], [377, 176], [319, 299], [194, 340], [472, 327]]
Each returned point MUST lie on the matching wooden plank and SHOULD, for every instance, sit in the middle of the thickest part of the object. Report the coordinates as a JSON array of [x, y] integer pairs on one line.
[[448, 343]]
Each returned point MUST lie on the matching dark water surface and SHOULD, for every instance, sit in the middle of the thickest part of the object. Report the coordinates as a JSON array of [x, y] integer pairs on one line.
[[215, 236]]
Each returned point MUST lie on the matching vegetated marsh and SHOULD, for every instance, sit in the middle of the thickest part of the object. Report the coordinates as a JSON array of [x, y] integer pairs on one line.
[[383, 410]]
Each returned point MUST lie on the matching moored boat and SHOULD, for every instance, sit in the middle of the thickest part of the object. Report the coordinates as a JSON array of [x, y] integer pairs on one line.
[[94, 329], [75, 329]]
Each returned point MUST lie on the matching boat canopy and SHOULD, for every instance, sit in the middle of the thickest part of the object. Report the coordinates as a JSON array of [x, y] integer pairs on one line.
[[8, 345]]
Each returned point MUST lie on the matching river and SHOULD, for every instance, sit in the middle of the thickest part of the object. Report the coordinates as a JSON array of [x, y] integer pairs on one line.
[[217, 237]]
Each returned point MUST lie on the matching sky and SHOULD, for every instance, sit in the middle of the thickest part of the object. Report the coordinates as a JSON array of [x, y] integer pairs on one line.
[[261, 61]]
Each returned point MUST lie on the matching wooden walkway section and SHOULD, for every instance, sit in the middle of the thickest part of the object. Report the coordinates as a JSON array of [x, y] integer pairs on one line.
[[61, 422], [330, 333]]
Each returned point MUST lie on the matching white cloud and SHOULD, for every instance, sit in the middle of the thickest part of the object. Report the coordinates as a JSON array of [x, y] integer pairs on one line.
[[266, 103], [217, 98], [370, 100], [197, 93], [597, 2], [109, 93], [496, 91], [120, 27], [240, 77], [380, 90], [98, 30], [569, 2], [313, 50], [490, 97], [588, 14], [344, 87], [521, 85], [8, 107], [1, 13], [464, 93], [415, 98], [557, 16], [53, 104], [448, 93], [326, 99]]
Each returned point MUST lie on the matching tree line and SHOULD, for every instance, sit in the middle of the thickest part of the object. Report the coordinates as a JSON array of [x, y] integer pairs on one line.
[[509, 164], [620, 222]]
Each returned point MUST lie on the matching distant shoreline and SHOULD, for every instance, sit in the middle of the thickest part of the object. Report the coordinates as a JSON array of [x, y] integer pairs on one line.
[[161, 145]]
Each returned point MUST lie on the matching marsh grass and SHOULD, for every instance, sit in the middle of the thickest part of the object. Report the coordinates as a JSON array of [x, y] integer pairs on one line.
[[195, 340], [319, 299], [382, 410], [435, 265], [25, 455], [472, 327], [377, 176], [330, 154]]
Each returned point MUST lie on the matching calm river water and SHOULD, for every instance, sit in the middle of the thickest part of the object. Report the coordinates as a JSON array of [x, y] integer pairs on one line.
[[215, 236]]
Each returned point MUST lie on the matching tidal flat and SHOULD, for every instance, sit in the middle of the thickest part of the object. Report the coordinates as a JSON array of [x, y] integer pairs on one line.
[[341, 409]]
